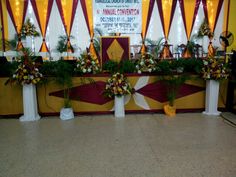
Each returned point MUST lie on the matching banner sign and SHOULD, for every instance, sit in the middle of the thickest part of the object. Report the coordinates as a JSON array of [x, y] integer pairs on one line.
[[118, 16]]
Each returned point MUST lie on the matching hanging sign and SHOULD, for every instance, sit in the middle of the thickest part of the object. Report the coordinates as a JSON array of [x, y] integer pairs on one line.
[[118, 16]]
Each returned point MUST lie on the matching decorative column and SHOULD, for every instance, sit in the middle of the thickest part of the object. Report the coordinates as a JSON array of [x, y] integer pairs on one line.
[[119, 107], [211, 98], [30, 103]]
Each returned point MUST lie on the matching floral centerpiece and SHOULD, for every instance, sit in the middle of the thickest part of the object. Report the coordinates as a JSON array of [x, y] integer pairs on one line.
[[146, 64], [215, 69], [205, 30], [86, 64], [27, 71], [117, 85], [28, 29]]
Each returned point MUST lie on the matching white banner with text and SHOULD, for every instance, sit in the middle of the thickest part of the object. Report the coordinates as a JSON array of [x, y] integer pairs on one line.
[[118, 16]]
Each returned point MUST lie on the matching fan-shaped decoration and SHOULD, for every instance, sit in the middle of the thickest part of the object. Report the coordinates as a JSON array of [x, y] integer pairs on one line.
[[226, 38]]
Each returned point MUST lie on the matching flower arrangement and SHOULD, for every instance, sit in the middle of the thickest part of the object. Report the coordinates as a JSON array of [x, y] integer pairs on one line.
[[215, 69], [117, 85], [27, 71], [28, 29], [205, 30], [146, 64], [86, 64]]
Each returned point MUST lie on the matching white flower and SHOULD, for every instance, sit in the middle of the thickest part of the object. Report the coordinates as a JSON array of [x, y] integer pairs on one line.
[[149, 70], [205, 62], [141, 63], [139, 71], [84, 70], [89, 70]]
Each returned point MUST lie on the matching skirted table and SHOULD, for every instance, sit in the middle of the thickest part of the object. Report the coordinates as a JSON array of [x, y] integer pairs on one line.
[[87, 96]]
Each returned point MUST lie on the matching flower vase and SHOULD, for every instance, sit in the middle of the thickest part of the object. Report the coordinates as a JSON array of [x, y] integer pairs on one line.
[[29, 43], [205, 43], [66, 114], [30, 103], [119, 107], [211, 98]]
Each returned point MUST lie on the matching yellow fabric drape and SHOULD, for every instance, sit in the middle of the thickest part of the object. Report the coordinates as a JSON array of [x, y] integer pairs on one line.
[[89, 7], [212, 6], [17, 8], [145, 9], [42, 7], [167, 7], [67, 13], [226, 5], [189, 8], [5, 22], [67, 16]]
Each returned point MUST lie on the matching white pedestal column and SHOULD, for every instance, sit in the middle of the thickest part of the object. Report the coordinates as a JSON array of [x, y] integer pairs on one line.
[[119, 107], [30, 103], [211, 98]]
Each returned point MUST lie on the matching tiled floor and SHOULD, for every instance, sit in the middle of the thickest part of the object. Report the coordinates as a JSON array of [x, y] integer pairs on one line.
[[143, 145]]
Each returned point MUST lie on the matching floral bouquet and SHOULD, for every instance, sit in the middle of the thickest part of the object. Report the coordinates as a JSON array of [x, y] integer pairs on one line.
[[117, 85], [146, 64], [205, 30], [28, 29], [86, 64], [27, 71], [215, 69]]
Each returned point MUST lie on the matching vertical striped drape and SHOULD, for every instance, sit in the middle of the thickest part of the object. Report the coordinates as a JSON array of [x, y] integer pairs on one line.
[[67, 11], [42, 10], [17, 11]]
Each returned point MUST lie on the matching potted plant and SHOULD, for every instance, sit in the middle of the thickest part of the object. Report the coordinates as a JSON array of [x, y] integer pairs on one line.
[[63, 77], [173, 83], [27, 74], [116, 87]]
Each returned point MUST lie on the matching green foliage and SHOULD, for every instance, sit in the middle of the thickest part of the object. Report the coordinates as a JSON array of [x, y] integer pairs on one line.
[[127, 66], [173, 84], [7, 69], [193, 65], [155, 46], [164, 67], [49, 68], [111, 66], [63, 77], [62, 43]]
